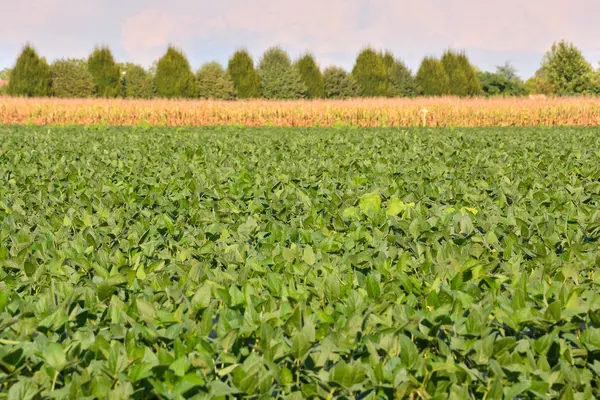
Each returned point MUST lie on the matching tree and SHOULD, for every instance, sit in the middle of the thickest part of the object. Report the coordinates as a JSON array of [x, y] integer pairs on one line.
[[339, 84], [503, 82], [473, 87], [137, 82], [244, 76], [567, 71], [370, 74], [71, 79], [539, 83], [400, 82], [596, 81], [461, 74], [432, 79], [30, 76], [311, 76], [278, 77], [214, 82], [174, 77], [107, 77]]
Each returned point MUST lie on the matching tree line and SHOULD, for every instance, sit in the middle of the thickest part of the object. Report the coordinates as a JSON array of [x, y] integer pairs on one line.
[[564, 72]]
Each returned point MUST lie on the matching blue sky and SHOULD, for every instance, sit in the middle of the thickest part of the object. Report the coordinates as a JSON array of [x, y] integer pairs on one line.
[[491, 32]]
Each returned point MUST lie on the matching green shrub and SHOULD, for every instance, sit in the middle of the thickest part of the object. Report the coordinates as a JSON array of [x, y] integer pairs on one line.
[[71, 79], [244, 76], [174, 77], [431, 79], [400, 81], [106, 73], [137, 82], [30, 77], [339, 84], [370, 74], [462, 77], [311, 76], [214, 82], [278, 77]]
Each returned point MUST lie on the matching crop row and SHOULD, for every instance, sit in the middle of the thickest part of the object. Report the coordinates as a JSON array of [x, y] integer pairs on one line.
[[299, 263], [440, 112]]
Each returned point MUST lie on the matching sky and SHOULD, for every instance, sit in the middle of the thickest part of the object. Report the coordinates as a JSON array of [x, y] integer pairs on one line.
[[491, 32]]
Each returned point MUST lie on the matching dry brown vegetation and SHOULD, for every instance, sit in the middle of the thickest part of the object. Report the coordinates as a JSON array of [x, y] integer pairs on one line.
[[358, 112]]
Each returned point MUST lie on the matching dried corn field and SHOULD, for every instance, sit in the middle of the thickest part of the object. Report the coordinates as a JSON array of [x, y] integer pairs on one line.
[[324, 113]]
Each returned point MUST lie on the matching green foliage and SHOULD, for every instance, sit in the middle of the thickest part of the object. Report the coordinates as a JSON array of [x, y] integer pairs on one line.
[[596, 81], [137, 82], [339, 84], [299, 263], [174, 77], [106, 73], [432, 79], [279, 79], [539, 83], [370, 74], [5, 74], [245, 78], [503, 82], [71, 79], [214, 82], [311, 76], [463, 80], [401, 82], [567, 71], [30, 77]]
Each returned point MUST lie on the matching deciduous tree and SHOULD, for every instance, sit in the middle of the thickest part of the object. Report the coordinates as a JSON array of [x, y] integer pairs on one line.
[[567, 71], [137, 82], [71, 79]]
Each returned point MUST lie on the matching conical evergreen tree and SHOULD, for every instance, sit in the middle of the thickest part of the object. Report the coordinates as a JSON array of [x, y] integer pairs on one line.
[[278, 77], [473, 82], [214, 82], [174, 77], [400, 81], [106, 73], [311, 76], [462, 76], [244, 76], [432, 79], [370, 74], [30, 77], [339, 84]]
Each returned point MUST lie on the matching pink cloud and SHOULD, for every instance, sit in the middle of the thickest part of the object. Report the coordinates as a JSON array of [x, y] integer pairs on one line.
[[333, 26]]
